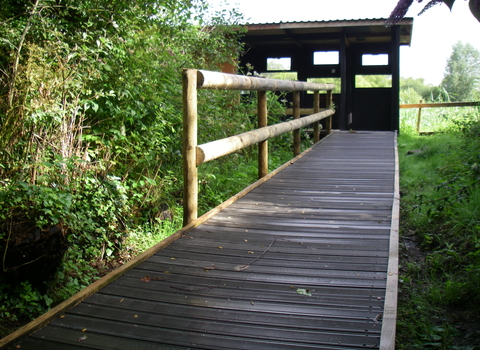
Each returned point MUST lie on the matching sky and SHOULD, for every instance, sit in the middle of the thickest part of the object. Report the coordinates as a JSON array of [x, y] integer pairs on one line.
[[434, 32]]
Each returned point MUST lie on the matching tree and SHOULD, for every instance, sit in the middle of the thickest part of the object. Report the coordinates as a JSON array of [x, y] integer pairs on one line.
[[462, 72], [423, 91], [403, 5], [90, 120]]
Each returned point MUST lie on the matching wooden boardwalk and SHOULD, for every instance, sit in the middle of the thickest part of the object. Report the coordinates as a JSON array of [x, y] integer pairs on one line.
[[300, 262]]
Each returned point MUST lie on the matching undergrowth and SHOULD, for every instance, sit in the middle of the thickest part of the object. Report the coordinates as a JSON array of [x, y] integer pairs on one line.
[[439, 298]]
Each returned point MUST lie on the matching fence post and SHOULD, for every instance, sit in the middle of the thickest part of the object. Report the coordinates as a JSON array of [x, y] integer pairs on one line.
[[262, 121], [328, 122], [316, 109], [419, 117], [190, 176], [296, 115]]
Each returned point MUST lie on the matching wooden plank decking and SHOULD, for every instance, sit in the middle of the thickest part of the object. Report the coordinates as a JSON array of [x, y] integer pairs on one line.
[[298, 263]]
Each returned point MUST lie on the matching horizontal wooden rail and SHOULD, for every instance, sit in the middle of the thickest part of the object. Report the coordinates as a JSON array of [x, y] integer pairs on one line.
[[303, 111], [219, 148], [194, 155], [441, 104], [224, 81], [421, 105]]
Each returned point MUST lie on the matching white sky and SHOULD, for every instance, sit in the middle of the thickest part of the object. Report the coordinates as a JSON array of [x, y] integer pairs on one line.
[[434, 32]]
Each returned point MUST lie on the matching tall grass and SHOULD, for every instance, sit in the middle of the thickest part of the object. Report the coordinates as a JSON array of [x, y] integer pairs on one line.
[[439, 119], [440, 228]]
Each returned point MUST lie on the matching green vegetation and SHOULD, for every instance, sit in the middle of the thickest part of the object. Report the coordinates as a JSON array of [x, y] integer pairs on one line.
[[90, 156], [90, 137], [440, 235]]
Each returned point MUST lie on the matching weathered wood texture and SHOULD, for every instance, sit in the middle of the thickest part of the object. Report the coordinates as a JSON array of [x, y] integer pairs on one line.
[[300, 262]]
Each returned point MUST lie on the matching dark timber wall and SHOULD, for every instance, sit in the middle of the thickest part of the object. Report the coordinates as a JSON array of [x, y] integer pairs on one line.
[[357, 108]]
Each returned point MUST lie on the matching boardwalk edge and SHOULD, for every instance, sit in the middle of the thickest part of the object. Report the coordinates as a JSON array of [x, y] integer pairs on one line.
[[387, 339]]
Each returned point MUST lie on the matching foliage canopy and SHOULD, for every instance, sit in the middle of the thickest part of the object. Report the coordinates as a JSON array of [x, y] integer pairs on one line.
[[90, 118], [462, 73]]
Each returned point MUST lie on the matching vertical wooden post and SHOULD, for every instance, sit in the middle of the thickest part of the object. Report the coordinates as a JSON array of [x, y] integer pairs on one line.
[[190, 177], [296, 115], [262, 115], [316, 109], [329, 104], [419, 117]]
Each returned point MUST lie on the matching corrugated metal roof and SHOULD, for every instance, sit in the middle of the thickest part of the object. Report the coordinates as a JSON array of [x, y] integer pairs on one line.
[[325, 21]]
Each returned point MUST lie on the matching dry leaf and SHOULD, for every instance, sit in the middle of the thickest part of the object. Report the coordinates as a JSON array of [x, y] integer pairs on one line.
[[241, 267]]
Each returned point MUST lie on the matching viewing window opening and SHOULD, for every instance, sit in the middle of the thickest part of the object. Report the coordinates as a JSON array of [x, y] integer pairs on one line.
[[373, 81], [326, 58], [279, 64], [336, 81], [280, 75], [375, 60]]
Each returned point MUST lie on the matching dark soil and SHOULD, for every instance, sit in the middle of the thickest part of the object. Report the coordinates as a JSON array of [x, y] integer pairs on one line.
[[30, 253]]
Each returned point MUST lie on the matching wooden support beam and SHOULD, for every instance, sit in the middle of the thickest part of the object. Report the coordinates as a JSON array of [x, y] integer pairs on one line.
[[329, 105], [316, 109], [262, 116], [296, 115], [419, 118], [190, 176]]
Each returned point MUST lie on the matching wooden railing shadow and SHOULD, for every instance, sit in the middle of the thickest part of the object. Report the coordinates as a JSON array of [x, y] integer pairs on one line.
[[195, 155]]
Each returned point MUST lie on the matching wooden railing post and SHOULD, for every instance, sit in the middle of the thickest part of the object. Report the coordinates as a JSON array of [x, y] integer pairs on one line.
[[419, 117], [190, 177], [316, 109], [328, 122], [296, 115], [262, 115]]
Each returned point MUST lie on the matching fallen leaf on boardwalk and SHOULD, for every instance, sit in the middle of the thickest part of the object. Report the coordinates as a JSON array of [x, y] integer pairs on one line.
[[149, 279], [304, 292], [84, 330], [220, 247], [213, 267], [250, 252], [82, 338], [241, 267]]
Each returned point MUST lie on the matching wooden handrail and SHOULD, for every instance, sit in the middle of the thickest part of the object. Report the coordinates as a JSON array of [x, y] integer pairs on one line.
[[219, 148], [421, 105], [194, 155], [440, 104]]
